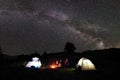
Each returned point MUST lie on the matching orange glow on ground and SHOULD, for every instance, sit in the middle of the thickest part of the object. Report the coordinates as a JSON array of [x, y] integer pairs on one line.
[[55, 65]]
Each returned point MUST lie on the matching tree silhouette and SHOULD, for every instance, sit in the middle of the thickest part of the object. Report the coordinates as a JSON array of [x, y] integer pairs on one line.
[[69, 47]]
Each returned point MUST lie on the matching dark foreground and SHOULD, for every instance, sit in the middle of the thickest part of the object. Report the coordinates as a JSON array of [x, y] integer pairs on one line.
[[107, 63], [59, 74]]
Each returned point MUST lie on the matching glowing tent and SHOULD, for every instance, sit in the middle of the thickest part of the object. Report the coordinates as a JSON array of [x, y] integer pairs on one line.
[[36, 63], [85, 64]]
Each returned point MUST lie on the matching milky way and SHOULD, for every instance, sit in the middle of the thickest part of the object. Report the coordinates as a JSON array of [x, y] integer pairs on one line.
[[46, 25]]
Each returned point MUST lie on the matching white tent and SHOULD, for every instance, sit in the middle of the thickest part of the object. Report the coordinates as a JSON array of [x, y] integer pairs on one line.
[[34, 63], [85, 64]]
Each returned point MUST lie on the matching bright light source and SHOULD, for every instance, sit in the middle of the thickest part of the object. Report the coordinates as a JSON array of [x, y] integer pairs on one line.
[[53, 66], [34, 63], [85, 64], [57, 64]]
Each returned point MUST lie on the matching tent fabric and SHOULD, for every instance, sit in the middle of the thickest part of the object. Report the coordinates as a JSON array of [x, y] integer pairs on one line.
[[36, 63], [85, 64]]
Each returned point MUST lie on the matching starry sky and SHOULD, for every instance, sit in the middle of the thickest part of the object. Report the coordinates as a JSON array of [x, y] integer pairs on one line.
[[46, 25]]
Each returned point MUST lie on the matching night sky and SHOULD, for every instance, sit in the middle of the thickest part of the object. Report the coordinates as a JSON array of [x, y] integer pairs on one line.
[[46, 25]]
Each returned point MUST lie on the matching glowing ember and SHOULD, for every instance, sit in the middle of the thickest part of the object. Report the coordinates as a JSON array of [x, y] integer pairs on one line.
[[55, 65]]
